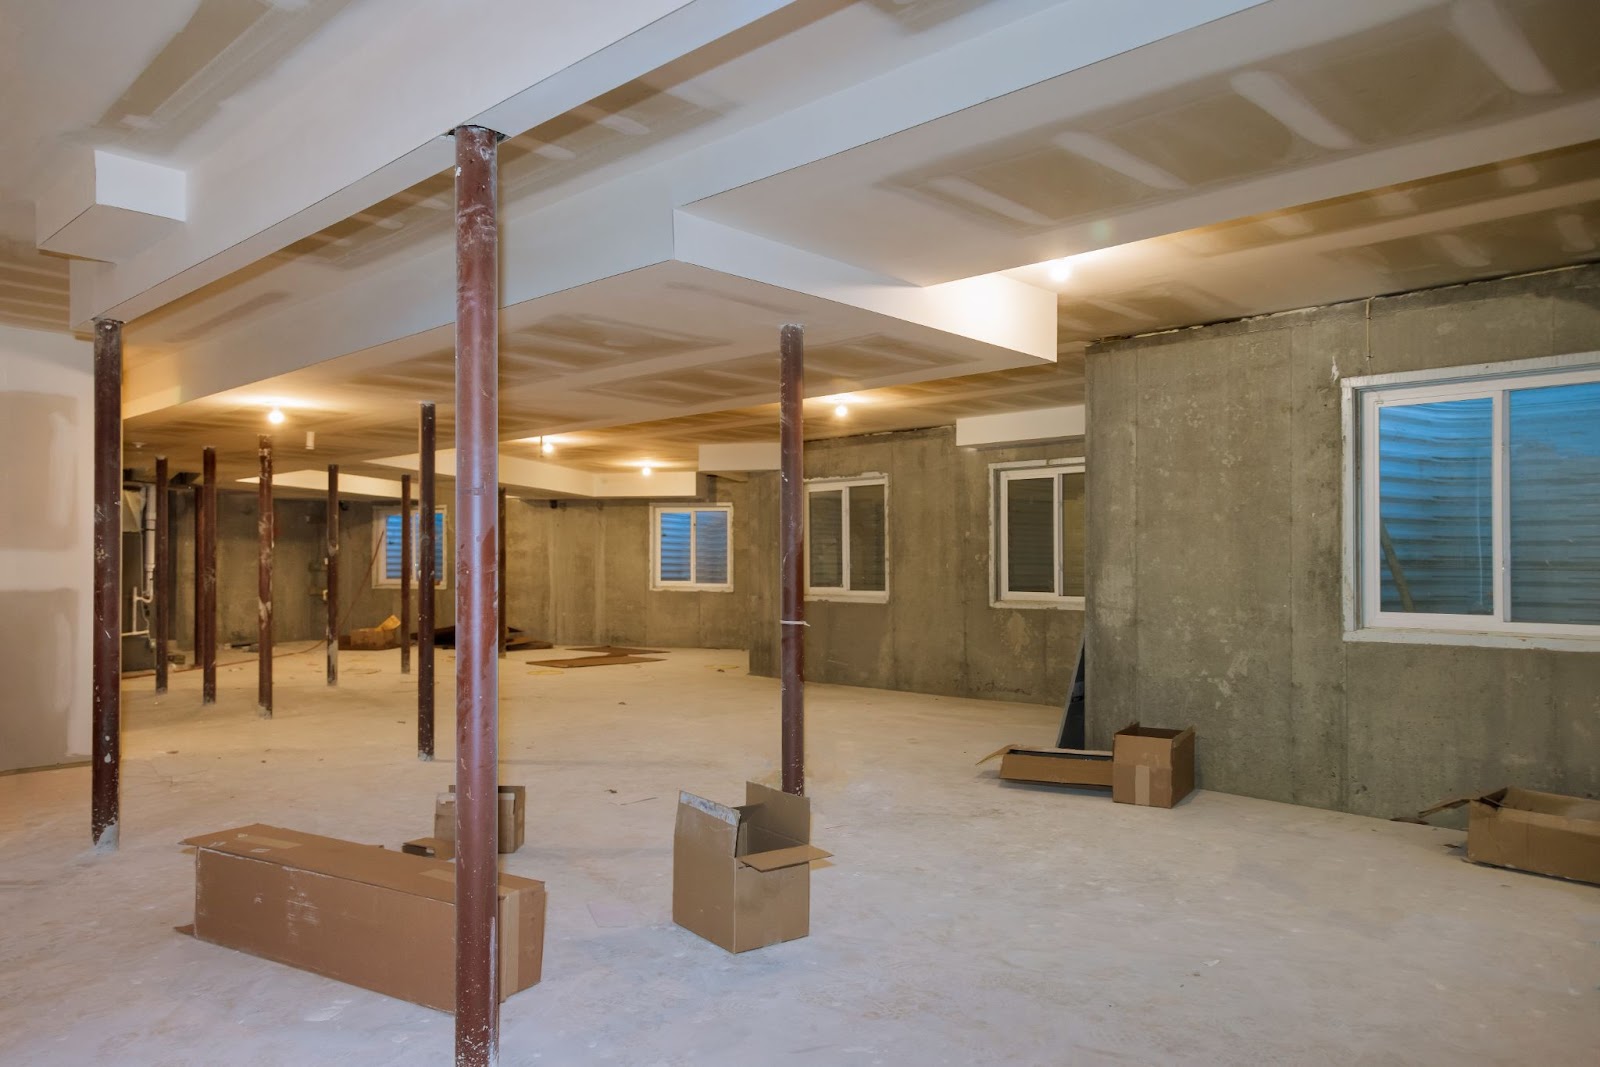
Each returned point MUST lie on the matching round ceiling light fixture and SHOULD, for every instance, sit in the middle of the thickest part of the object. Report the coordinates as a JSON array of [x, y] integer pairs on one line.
[[841, 410], [275, 416], [645, 470], [1060, 270]]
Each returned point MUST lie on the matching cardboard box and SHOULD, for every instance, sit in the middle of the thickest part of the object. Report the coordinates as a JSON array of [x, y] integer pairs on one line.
[[370, 639], [1525, 830], [1057, 766], [381, 920], [1154, 768], [741, 877], [512, 821]]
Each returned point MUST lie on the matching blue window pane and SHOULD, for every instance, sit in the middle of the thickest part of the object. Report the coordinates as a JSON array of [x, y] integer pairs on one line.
[[1435, 507], [674, 545], [438, 543], [1555, 504], [711, 547], [391, 547]]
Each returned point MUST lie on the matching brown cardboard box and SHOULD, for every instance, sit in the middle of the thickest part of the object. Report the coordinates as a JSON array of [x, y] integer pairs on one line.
[[512, 822], [1525, 830], [381, 920], [1058, 766], [741, 877], [1152, 767], [370, 639]]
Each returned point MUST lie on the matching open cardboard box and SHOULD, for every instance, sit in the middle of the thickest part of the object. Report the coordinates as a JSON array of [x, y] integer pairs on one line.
[[741, 876], [512, 822], [381, 920], [1526, 830], [1152, 767]]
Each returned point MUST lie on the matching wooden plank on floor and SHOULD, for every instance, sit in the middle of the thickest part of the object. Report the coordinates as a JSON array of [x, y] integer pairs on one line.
[[591, 661]]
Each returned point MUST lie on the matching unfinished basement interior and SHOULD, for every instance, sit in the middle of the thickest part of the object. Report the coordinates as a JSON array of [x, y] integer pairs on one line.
[[882, 532]]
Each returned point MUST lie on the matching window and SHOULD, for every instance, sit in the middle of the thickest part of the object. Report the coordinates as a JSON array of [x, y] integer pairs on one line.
[[847, 539], [387, 545], [1038, 532], [1476, 502], [692, 547]]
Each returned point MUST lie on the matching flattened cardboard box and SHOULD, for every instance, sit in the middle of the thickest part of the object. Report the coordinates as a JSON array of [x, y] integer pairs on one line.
[[741, 876], [512, 821], [1057, 766], [381, 920], [1151, 767], [1526, 830]]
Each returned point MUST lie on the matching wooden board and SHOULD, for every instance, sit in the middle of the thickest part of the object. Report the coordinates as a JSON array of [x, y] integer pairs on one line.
[[591, 661], [618, 650]]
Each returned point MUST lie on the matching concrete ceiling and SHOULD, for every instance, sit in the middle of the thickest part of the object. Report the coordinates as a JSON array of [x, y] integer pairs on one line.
[[944, 191]]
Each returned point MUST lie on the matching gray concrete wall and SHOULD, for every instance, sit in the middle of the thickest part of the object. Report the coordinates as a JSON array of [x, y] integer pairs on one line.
[[579, 573], [938, 632], [1214, 480]]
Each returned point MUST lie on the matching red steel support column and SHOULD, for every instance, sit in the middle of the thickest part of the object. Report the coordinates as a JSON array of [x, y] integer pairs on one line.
[[161, 623], [427, 508], [199, 569], [405, 574], [265, 535], [477, 586], [331, 627], [791, 569], [105, 802], [505, 627], [208, 577]]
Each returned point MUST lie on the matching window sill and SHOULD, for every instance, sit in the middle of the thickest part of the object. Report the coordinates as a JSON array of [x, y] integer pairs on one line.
[[850, 598], [688, 588], [1477, 638], [1066, 603]]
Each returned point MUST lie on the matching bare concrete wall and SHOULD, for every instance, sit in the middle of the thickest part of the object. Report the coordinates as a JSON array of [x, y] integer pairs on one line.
[[1215, 530], [938, 633], [579, 573], [46, 546]]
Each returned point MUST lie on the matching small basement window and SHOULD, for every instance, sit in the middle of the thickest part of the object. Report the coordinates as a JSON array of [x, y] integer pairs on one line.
[[1038, 534], [847, 526], [692, 547], [1476, 503], [387, 546]]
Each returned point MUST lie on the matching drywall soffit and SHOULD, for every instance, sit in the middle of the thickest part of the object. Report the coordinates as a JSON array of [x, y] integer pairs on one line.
[[1020, 427]]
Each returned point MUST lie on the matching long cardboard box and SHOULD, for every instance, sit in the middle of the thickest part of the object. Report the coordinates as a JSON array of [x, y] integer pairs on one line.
[[381, 920], [741, 876], [1056, 766], [1527, 830]]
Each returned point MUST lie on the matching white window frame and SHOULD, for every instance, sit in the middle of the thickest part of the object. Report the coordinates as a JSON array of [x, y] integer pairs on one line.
[[845, 593], [1000, 476], [659, 584], [1362, 400], [380, 522]]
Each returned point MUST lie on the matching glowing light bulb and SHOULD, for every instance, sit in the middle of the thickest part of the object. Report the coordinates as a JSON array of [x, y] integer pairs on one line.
[[1060, 270], [275, 416], [546, 447], [645, 471], [842, 410]]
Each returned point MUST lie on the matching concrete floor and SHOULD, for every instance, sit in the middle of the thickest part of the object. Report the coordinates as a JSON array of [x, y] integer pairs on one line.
[[963, 921]]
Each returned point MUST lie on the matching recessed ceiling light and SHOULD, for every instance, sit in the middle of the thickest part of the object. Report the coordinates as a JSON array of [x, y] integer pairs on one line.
[[275, 416], [645, 471], [841, 410], [546, 447], [1060, 270]]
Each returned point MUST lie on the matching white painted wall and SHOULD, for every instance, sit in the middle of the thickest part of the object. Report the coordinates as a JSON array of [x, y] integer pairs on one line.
[[46, 546]]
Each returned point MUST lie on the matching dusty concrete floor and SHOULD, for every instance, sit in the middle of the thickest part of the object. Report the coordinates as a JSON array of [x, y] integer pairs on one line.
[[963, 921]]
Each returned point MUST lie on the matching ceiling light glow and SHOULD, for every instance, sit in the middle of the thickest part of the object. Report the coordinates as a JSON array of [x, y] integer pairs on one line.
[[546, 447], [645, 471], [275, 416], [1060, 270], [842, 410]]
